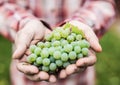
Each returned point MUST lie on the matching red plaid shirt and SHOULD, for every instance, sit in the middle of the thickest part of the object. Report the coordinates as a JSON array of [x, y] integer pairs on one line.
[[98, 14]]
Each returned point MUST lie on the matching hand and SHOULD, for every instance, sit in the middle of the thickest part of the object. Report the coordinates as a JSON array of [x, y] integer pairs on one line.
[[91, 58], [31, 33]]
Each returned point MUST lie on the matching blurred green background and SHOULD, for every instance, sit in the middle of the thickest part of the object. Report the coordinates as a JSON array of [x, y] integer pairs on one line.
[[107, 67]]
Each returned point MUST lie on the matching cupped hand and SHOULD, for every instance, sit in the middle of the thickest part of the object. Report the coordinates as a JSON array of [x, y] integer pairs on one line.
[[31, 33], [82, 63]]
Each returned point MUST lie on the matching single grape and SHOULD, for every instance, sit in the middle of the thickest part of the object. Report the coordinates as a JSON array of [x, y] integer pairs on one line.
[[46, 61], [59, 63], [51, 50], [45, 68], [85, 51], [73, 34], [47, 44], [70, 38], [87, 44], [31, 58], [32, 48], [59, 29], [40, 44], [52, 59], [57, 35], [72, 55], [39, 60], [35, 64], [48, 37], [67, 31], [64, 34], [57, 54], [53, 67], [77, 49], [64, 57], [58, 48], [64, 42], [78, 37], [68, 48], [37, 51], [44, 53], [65, 64], [80, 55], [56, 43], [83, 44], [74, 43]]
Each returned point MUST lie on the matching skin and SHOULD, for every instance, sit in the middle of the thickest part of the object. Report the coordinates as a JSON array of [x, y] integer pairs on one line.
[[33, 32]]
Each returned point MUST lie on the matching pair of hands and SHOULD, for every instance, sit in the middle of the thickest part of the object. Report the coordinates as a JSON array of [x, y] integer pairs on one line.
[[33, 32]]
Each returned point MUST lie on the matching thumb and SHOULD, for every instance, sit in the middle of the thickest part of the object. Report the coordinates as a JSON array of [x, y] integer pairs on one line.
[[22, 41]]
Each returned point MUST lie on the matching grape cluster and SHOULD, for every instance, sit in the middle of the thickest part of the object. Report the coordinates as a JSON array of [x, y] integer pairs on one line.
[[61, 48]]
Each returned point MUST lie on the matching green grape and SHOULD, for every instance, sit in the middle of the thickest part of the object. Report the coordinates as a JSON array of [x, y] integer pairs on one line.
[[45, 68], [83, 44], [65, 64], [51, 50], [53, 39], [35, 64], [72, 55], [59, 29], [40, 44], [85, 51], [73, 34], [64, 34], [80, 55], [57, 54], [64, 42], [44, 53], [31, 58], [59, 63], [67, 31], [77, 49], [39, 60], [64, 57], [70, 38], [48, 37], [52, 59], [47, 44], [73, 61], [56, 43], [78, 37], [57, 35], [58, 48], [37, 51], [46, 61], [53, 67], [32, 48], [87, 44], [74, 43], [68, 48]]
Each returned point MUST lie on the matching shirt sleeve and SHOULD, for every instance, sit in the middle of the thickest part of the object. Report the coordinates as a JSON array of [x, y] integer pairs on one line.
[[98, 14]]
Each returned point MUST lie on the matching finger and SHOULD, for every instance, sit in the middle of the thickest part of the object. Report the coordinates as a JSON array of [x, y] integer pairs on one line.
[[62, 74], [23, 39], [87, 61], [71, 69], [52, 79], [43, 75], [27, 68], [92, 39], [33, 77]]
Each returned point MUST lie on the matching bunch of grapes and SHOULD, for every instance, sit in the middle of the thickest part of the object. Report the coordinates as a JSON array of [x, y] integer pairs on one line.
[[64, 46]]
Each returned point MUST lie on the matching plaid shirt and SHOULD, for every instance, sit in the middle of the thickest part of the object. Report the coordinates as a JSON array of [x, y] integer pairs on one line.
[[98, 14]]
